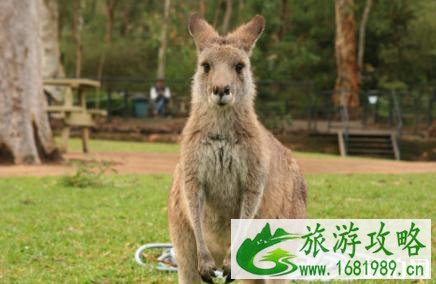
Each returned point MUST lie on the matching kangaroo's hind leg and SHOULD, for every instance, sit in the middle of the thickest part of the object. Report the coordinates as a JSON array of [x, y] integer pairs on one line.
[[183, 239], [186, 252]]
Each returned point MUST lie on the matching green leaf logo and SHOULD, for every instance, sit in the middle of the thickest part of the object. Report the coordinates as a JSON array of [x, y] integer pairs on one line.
[[281, 258]]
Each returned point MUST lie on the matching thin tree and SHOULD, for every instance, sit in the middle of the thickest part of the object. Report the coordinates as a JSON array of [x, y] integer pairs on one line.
[[163, 41], [241, 8], [227, 16], [77, 34], [130, 10], [25, 133], [284, 18], [201, 8], [110, 15], [347, 81], [362, 35], [219, 4]]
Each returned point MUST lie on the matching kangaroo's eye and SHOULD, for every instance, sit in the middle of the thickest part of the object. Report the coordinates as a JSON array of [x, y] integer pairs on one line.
[[239, 67], [206, 67]]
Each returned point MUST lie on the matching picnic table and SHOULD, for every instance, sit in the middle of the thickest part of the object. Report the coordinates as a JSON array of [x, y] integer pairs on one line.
[[74, 115]]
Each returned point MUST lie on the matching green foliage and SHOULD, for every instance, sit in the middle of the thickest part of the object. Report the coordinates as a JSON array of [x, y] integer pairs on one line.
[[90, 174], [277, 122], [399, 43]]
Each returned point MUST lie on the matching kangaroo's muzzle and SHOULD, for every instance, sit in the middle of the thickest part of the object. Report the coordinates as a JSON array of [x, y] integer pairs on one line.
[[221, 95]]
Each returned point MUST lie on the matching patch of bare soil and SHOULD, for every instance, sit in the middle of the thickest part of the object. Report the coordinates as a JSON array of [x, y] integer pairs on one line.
[[143, 163]]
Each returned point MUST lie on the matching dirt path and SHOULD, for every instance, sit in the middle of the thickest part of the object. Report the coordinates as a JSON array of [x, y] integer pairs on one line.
[[141, 163]]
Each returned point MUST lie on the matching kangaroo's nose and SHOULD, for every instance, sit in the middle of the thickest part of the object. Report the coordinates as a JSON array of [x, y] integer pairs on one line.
[[221, 90]]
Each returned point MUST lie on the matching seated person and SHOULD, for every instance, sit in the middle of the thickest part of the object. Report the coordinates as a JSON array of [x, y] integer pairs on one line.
[[160, 95]]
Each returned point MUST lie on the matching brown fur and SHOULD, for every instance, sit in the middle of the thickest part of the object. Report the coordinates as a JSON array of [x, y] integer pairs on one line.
[[231, 166]]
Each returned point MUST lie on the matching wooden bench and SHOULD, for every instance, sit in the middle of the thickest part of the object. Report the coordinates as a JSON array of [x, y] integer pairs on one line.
[[74, 115]]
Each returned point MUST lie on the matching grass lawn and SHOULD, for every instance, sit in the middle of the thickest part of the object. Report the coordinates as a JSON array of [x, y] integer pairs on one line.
[[75, 145], [52, 232]]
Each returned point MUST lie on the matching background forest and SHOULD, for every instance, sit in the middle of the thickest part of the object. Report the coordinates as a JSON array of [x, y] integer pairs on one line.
[[297, 45], [318, 60]]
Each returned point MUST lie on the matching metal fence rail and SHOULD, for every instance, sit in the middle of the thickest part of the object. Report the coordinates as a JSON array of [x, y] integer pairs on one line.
[[412, 108]]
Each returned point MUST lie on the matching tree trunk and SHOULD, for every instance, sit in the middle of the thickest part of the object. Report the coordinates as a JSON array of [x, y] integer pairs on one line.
[[240, 10], [128, 21], [24, 128], [77, 35], [362, 34], [110, 13], [217, 12], [51, 60], [125, 25], [163, 41], [284, 17], [227, 16], [201, 8], [347, 81]]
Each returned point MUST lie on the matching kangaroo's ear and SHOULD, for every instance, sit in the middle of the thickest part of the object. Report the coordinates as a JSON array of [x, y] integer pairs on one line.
[[201, 31], [248, 34]]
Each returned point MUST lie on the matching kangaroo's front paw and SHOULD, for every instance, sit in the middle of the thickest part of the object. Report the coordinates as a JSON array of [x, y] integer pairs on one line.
[[206, 268]]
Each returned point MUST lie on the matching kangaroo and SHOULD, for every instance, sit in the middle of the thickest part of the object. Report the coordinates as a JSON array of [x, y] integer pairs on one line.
[[230, 165]]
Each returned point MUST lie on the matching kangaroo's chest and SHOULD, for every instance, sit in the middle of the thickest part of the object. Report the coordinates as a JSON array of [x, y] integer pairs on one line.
[[222, 168]]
